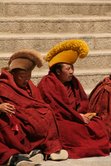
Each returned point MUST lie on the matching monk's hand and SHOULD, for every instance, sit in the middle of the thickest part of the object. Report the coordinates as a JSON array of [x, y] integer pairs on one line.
[[90, 115], [7, 108], [85, 118]]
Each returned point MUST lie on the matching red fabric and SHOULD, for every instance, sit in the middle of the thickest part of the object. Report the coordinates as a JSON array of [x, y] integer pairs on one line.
[[32, 126], [80, 139], [100, 102]]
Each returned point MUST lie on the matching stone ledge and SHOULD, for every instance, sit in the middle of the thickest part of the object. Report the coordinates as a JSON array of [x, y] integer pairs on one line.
[[57, 1], [91, 161]]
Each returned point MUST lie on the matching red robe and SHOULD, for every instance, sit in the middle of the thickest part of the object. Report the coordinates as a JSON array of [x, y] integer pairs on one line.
[[100, 102], [32, 126], [67, 102]]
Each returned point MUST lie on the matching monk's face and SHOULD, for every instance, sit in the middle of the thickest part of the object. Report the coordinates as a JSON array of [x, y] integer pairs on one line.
[[21, 77], [65, 74]]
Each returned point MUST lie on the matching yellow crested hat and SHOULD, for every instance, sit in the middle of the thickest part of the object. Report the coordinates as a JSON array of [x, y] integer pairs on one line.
[[67, 52]]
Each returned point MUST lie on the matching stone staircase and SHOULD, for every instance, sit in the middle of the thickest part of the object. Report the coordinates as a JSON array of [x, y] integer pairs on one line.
[[40, 24]]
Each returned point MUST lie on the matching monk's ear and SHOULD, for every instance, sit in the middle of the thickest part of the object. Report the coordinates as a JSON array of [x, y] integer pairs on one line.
[[58, 71]]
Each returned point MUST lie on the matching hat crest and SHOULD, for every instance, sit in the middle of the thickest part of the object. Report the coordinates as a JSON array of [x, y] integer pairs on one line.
[[80, 46]]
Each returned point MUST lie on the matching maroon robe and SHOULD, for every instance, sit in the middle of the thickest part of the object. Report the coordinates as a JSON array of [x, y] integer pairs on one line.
[[67, 102], [100, 102], [32, 125]]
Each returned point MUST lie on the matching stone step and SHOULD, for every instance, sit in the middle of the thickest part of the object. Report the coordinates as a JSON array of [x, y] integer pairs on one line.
[[45, 41], [95, 60], [80, 24], [51, 7], [88, 78], [88, 161]]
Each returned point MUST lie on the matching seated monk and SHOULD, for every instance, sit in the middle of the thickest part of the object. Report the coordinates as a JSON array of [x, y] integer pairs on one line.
[[27, 125], [100, 102], [82, 134]]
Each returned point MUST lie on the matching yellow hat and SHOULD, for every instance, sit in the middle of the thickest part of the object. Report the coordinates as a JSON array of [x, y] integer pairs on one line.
[[67, 52], [25, 59]]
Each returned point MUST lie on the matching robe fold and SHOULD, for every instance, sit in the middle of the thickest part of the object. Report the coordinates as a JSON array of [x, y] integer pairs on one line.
[[67, 102], [100, 102], [33, 124]]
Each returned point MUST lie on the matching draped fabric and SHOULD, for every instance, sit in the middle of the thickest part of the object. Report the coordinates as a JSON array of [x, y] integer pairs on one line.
[[100, 102], [67, 102], [33, 124]]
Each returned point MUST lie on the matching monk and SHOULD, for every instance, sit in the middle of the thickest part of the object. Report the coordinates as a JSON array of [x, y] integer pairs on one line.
[[82, 134], [26, 122], [100, 102]]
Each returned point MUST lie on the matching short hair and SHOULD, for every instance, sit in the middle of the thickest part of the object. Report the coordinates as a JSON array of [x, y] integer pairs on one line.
[[54, 68]]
